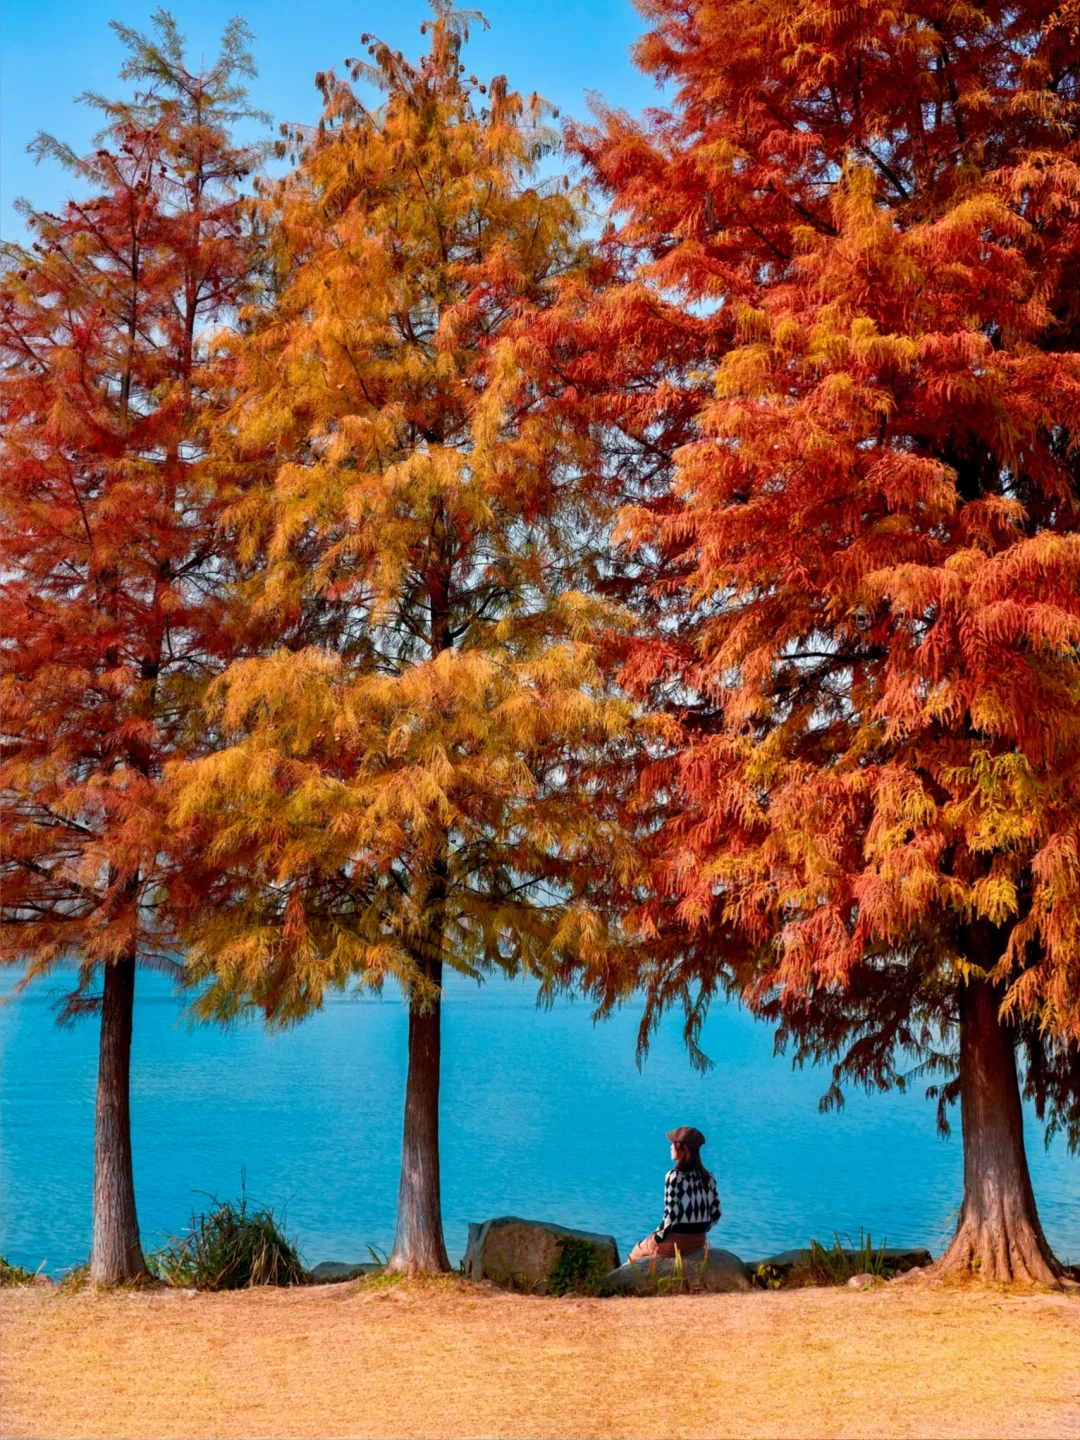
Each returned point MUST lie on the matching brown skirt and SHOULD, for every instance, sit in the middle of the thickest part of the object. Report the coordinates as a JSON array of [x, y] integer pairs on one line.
[[652, 1249]]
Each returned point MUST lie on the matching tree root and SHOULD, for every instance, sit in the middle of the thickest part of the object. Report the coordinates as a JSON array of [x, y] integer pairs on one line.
[[1015, 1256]]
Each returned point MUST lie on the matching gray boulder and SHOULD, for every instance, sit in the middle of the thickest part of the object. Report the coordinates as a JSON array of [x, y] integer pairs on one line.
[[511, 1251], [328, 1272], [719, 1272]]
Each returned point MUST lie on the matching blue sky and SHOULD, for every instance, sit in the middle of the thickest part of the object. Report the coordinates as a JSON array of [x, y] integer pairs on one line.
[[52, 50]]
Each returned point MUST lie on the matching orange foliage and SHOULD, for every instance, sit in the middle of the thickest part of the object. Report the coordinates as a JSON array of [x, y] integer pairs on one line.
[[392, 790]]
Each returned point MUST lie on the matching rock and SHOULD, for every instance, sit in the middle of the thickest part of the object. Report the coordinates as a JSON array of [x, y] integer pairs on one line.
[[723, 1273], [522, 1252], [898, 1260], [864, 1281], [328, 1272]]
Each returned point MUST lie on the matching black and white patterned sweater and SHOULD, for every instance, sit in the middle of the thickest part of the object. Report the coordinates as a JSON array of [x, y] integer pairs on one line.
[[691, 1204]]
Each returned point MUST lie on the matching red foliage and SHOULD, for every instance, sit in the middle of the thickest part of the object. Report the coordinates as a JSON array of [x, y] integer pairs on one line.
[[871, 680], [113, 567]]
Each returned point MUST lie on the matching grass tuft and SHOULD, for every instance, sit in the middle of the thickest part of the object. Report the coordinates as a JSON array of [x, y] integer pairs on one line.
[[231, 1247], [689, 1274], [15, 1274], [835, 1264], [74, 1278]]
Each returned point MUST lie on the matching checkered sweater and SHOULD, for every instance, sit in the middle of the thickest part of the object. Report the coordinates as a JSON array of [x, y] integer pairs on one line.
[[691, 1204]]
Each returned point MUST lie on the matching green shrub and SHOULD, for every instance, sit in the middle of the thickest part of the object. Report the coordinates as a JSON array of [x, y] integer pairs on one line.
[[230, 1248], [579, 1268]]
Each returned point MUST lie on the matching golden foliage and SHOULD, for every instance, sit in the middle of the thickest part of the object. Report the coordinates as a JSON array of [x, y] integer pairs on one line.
[[407, 775]]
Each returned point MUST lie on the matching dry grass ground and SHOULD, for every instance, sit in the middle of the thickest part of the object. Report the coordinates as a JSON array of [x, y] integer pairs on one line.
[[447, 1359]]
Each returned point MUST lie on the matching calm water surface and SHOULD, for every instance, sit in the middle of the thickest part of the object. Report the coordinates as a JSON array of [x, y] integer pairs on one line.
[[543, 1115]]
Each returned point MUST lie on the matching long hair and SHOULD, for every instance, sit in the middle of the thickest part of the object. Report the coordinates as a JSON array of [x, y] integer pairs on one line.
[[688, 1157]]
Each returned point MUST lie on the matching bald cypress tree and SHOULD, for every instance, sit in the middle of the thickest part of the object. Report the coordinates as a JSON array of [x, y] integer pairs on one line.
[[393, 793], [113, 564], [859, 556]]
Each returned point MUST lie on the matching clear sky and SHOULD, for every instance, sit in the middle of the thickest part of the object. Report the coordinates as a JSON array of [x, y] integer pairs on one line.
[[52, 50]]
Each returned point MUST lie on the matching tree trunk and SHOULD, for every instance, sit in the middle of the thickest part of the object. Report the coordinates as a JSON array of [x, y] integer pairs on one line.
[[116, 1257], [418, 1245], [999, 1236]]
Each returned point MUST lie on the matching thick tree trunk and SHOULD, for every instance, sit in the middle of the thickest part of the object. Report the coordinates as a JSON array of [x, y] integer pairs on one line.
[[998, 1236], [116, 1257], [418, 1245]]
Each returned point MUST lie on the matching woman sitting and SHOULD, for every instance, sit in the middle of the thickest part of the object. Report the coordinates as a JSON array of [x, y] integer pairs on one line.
[[691, 1202]]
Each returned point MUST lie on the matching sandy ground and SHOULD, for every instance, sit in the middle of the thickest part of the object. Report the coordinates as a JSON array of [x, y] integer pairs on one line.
[[448, 1359]]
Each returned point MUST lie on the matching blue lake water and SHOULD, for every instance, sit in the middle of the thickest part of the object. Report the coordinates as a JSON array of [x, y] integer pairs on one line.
[[543, 1115]]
